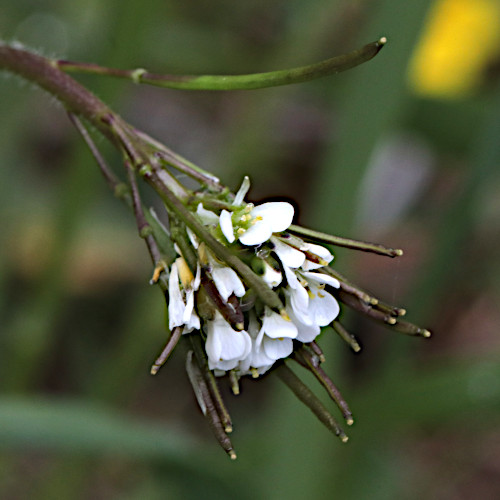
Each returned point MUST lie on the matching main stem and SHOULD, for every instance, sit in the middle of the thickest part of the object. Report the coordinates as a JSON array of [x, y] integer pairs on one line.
[[66, 90]]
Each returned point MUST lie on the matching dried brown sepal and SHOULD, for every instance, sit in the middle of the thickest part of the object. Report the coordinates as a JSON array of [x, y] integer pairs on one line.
[[206, 404], [230, 310], [310, 400]]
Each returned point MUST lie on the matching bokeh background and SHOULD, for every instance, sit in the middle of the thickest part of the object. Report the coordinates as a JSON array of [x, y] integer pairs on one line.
[[404, 150]]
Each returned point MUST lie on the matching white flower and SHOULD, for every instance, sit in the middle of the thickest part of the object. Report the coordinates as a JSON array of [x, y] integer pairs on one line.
[[323, 307], [308, 304], [267, 219], [305, 333], [323, 254], [181, 301], [227, 282], [257, 362], [258, 224], [225, 347], [276, 335], [271, 277], [297, 295], [289, 256]]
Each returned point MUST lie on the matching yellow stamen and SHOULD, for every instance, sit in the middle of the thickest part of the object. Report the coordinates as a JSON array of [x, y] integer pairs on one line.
[[160, 267], [284, 315], [185, 274], [202, 252]]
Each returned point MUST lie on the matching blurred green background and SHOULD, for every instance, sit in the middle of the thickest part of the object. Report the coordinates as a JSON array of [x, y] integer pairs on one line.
[[406, 157]]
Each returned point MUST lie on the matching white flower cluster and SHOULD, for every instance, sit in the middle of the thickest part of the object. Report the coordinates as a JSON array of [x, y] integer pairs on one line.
[[259, 336]]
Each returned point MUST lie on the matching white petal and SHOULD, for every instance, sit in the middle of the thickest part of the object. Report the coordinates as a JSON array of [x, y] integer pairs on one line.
[[189, 306], [258, 357], [278, 348], [226, 225], [258, 233], [322, 252], [297, 296], [271, 276], [288, 255], [176, 304], [225, 344], [275, 326], [310, 265], [323, 308], [239, 347], [222, 366], [306, 333], [227, 282], [213, 344], [192, 237], [318, 250], [197, 279], [278, 214], [207, 217], [194, 322], [291, 278], [321, 278], [240, 195]]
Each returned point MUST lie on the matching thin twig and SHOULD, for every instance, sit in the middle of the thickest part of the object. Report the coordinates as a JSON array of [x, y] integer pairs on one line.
[[178, 162], [145, 230], [346, 336], [209, 378], [167, 350], [311, 362], [310, 400], [206, 404], [119, 188], [346, 242]]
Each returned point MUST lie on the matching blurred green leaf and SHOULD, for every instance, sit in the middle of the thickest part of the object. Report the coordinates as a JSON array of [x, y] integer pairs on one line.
[[80, 427]]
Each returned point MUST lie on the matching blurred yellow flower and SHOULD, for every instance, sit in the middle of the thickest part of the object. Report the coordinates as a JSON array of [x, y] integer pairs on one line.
[[458, 40]]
